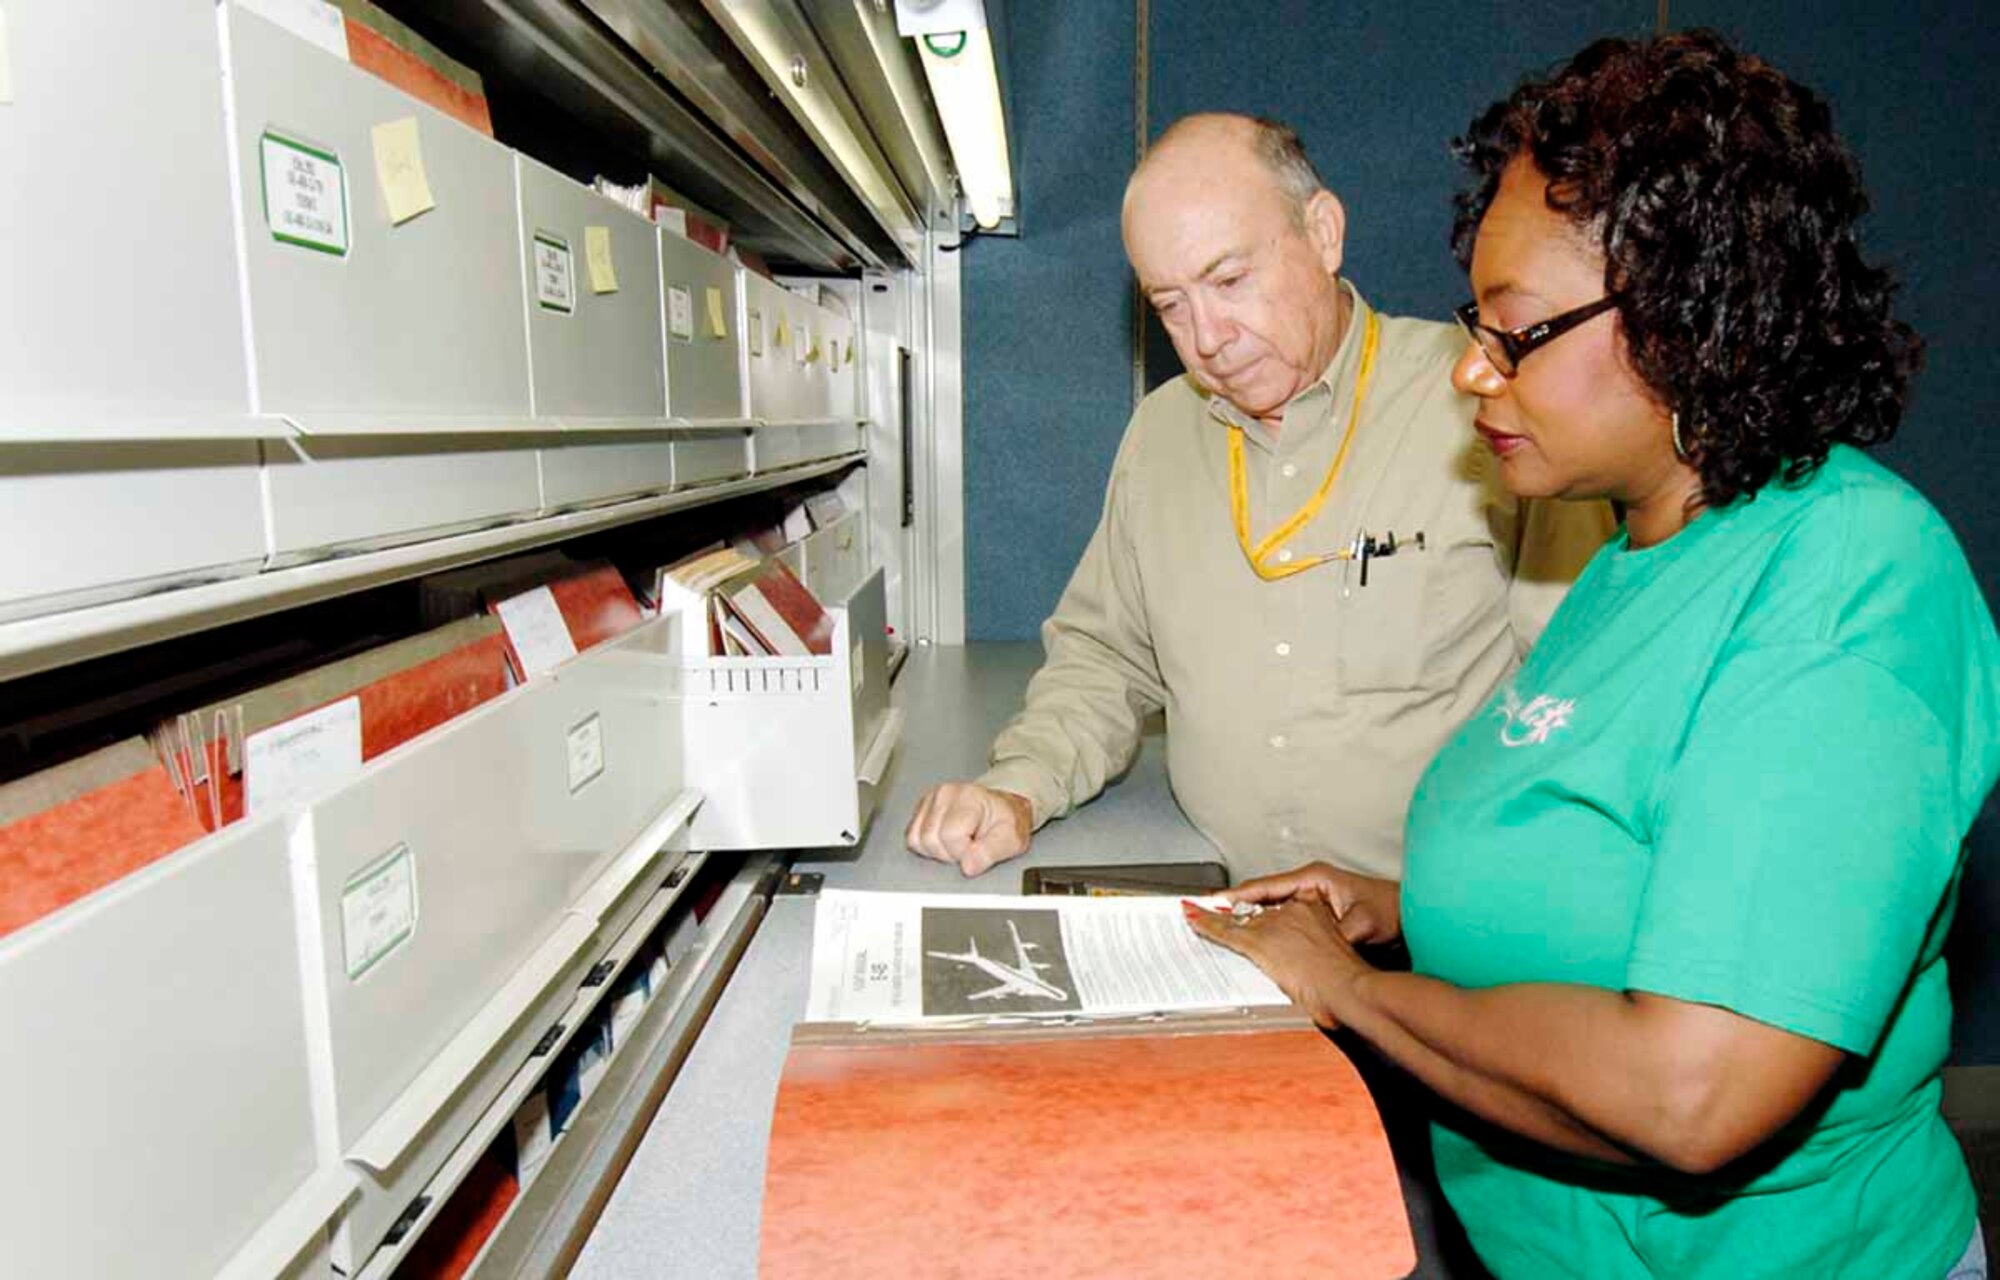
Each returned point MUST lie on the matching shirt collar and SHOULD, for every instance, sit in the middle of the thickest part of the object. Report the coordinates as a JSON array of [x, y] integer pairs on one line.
[[1312, 409]]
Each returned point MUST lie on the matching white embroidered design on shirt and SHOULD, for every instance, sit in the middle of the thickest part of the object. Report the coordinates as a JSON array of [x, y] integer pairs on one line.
[[1530, 723]]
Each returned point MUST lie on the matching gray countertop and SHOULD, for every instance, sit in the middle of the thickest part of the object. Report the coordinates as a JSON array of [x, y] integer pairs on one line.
[[689, 1204]]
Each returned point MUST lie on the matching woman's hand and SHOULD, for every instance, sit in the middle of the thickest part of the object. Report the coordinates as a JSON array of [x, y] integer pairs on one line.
[[1369, 910], [1298, 942]]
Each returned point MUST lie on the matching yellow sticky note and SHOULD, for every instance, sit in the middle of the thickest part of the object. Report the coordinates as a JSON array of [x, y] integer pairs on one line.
[[812, 352], [597, 257], [783, 337], [850, 352], [717, 326], [399, 167]]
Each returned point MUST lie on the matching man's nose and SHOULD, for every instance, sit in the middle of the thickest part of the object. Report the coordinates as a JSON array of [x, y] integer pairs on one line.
[[1475, 375], [1211, 330]]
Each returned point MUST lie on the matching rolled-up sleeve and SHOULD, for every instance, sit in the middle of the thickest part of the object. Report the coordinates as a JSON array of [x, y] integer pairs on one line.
[[1081, 722]]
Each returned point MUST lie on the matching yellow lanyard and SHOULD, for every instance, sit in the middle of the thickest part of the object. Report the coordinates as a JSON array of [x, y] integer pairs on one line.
[[1239, 481]]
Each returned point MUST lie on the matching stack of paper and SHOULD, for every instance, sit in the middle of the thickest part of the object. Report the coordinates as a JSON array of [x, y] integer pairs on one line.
[[746, 607]]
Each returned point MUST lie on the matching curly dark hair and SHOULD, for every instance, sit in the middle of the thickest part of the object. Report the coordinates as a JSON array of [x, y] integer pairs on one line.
[[1726, 207]]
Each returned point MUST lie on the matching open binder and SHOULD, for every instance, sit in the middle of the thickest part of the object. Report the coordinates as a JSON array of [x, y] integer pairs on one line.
[[1232, 1143]]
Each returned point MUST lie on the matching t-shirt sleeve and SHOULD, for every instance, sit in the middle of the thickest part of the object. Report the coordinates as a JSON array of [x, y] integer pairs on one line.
[[1805, 843]]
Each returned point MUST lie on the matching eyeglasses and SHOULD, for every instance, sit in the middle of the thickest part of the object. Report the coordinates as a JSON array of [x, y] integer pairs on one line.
[[1506, 348]]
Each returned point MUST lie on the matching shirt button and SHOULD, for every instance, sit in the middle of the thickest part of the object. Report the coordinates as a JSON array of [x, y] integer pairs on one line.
[[1285, 556], [1277, 742], [1284, 833], [1288, 471], [1283, 650]]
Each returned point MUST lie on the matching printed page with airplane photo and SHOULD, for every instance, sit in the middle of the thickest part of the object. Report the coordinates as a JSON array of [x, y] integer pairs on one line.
[[919, 958]]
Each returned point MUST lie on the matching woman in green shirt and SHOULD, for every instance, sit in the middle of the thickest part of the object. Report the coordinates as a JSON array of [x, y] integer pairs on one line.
[[1676, 901]]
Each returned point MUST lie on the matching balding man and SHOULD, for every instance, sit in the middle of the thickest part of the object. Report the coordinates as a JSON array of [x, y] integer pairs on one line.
[[1302, 558]]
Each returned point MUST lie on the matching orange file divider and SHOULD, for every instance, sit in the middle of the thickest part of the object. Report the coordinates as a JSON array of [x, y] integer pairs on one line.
[[1107, 1151], [74, 829], [403, 689]]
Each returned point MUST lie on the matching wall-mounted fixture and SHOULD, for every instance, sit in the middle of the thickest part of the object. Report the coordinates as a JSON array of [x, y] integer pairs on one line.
[[957, 52]]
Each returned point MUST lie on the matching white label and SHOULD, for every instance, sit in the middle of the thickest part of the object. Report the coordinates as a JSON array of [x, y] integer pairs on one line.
[[555, 274], [680, 313], [378, 910], [6, 63], [801, 343], [756, 327], [290, 762], [305, 195], [854, 662], [314, 21], [586, 752], [536, 627]]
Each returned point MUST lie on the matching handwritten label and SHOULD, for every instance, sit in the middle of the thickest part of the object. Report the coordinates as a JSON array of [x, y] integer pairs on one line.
[[680, 313], [597, 257], [293, 761], [555, 274], [586, 752], [399, 167], [305, 195], [378, 910], [535, 626]]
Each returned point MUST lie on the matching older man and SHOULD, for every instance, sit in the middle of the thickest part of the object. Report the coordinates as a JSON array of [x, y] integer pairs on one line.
[[1303, 557]]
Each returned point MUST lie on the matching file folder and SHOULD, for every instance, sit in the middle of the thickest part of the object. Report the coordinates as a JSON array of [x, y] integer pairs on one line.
[[71, 830], [1214, 1144], [404, 689]]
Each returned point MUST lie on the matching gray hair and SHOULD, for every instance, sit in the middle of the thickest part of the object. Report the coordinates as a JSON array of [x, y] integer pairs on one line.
[[1277, 144]]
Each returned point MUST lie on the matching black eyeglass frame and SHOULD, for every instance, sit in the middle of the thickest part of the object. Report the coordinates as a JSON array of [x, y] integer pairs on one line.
[[1517, 344]]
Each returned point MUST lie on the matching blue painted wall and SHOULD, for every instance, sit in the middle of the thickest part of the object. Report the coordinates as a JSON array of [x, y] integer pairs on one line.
[[1048, 317], [1377, 90], [1914, 91]]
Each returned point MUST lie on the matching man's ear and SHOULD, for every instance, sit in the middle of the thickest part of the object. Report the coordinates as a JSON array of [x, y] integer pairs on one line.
[[1326, 227]]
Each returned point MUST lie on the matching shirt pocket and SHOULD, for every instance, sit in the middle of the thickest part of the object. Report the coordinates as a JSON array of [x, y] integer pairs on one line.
[[1423, 616], [1384, 644]]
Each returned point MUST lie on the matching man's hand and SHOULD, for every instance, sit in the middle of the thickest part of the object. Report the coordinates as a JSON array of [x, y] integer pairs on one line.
[[1369, 910], [970, 825]]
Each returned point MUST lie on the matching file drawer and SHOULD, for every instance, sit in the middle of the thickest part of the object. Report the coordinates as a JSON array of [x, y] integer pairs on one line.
[[358, 323], [702, 303], [116, 234], [708, 457], [445, 934], [355, 492], [157, 1065], [594, 354], [604, 466], [89, 522]]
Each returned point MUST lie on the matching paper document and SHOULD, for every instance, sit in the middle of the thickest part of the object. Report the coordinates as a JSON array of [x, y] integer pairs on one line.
[[915, 957]]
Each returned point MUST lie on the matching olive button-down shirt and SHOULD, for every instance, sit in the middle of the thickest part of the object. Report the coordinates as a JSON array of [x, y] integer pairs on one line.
[[1301, 711]]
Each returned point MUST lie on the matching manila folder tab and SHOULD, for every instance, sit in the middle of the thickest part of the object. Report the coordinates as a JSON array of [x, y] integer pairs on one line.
[[1124, 1150]]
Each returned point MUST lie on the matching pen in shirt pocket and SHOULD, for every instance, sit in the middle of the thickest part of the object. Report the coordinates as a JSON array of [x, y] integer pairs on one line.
[[1366, 546]]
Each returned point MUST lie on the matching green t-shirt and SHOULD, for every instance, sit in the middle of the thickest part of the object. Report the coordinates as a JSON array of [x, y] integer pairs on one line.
[[1736, 770]]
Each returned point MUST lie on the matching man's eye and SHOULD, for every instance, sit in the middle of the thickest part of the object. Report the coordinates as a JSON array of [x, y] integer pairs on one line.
[[1229, 282], [1166, 306]]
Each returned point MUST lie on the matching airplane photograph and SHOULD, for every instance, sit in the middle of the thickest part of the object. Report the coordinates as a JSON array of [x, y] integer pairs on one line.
[[981, 961]]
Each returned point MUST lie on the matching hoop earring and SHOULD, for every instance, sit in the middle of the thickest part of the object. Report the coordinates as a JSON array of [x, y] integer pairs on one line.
[[1680, 446]]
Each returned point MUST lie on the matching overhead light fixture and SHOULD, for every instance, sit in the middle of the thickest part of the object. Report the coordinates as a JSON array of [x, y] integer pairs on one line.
[[956, 48]]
